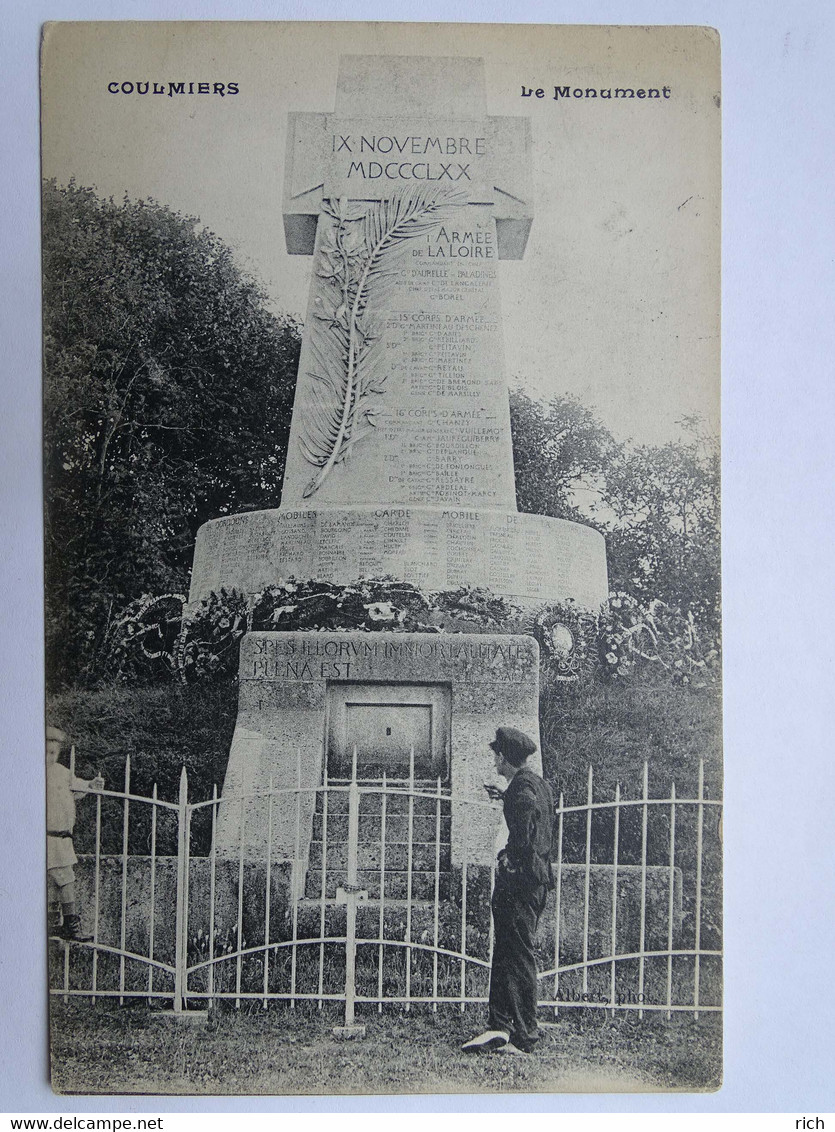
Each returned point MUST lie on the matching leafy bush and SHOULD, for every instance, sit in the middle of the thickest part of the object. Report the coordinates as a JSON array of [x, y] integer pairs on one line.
[[162, 729]]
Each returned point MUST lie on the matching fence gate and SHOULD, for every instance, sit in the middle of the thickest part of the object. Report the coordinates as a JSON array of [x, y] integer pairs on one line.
[[373, 912]]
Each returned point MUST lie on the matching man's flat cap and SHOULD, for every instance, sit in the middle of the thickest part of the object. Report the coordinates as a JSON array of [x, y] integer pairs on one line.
[[513, 744]]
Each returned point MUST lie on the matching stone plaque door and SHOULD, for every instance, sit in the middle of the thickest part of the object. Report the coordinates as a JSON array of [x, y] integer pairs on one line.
[[385, 722]]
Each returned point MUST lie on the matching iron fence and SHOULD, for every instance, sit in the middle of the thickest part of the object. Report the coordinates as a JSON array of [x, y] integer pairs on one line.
[[380, 906]]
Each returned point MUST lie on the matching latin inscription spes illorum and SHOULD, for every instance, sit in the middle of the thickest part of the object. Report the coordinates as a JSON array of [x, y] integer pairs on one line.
[[290, 658]]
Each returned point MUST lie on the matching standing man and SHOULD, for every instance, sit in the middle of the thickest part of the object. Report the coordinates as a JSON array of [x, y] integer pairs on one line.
[[523, 877], [62, 789]]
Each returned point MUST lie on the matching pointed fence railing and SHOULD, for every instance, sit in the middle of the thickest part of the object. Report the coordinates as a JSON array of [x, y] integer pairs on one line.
[[381, 907]]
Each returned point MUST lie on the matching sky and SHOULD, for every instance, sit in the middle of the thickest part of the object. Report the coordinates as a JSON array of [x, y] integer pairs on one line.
[[617, 297]]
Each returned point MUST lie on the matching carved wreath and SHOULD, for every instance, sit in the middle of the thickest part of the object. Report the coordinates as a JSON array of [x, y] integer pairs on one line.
[[358, 259]]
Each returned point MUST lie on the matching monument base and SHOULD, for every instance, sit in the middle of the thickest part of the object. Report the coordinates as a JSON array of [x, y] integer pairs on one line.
[[531, 559], [421, 705]]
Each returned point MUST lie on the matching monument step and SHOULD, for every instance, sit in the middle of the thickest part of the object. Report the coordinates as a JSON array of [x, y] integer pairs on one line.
[[370, 856], [420, 915], [424, 828], [368, 880], [371, 804]]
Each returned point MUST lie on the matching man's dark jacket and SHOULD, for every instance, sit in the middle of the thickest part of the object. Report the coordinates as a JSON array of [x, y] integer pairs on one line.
[[529, 813]]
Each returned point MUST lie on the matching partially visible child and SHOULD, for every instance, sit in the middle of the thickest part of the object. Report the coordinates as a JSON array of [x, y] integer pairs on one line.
[[62, 788]]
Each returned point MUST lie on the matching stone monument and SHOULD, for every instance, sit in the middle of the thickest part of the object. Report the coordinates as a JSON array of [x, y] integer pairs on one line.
[[400, 459]]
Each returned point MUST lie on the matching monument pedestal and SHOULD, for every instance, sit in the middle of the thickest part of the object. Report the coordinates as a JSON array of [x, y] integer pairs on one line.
[[307, 700], [530, 559]]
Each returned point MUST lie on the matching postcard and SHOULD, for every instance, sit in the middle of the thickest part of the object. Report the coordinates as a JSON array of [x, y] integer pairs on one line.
[[381, 426]]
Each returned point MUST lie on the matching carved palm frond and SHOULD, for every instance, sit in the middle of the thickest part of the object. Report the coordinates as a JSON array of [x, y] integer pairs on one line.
[[358, 258]]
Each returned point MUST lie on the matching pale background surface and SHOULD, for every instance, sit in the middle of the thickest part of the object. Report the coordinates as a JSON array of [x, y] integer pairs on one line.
[[778, 93]]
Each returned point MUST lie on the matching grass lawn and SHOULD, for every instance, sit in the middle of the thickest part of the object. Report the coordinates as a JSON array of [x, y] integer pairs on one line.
[[111, 1050]]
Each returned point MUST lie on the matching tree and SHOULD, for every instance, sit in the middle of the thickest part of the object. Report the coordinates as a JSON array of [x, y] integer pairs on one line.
[[167, 399], [658, 506], [560, 453], [664, 541]]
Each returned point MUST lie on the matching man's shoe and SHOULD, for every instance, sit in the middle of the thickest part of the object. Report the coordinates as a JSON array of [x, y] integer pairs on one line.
[[486, 1042], [510, 1048], [71, 930]]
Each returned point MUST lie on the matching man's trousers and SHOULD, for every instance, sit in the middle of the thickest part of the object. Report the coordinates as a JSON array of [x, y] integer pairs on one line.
[[513, 977]]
